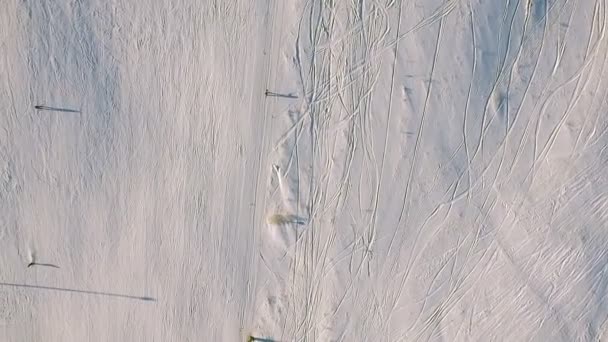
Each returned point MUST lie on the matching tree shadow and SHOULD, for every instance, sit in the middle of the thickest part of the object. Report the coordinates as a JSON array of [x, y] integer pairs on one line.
[[41, 264], [56, 109], [260, 339], [287, 96], [97, 293]]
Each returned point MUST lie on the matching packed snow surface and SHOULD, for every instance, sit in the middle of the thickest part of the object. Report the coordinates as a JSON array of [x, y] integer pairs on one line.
[[303, 170]]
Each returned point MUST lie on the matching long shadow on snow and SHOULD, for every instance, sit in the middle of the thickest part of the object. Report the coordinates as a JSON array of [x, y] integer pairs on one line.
[[98, 293]]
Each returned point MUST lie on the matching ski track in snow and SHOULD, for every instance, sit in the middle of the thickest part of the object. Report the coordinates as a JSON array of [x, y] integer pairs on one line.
[[417, 171]]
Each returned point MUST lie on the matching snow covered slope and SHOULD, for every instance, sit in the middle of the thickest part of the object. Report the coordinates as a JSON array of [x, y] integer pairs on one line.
[[352, 170]]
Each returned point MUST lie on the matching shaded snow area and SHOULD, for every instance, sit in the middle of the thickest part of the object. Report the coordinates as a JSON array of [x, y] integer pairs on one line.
[[303, 170]]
